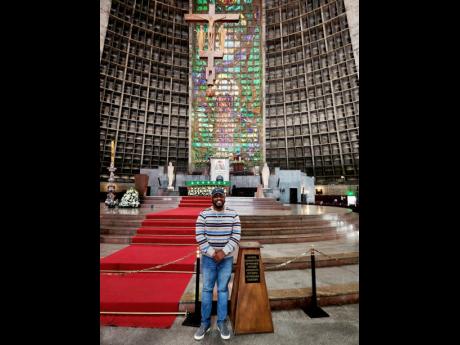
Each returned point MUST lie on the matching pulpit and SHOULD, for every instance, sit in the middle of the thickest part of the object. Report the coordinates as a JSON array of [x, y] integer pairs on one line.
[[141, 182], [249, 304]]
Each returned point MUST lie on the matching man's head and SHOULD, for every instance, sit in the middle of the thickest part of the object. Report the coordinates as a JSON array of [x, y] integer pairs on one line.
[[218, 198]]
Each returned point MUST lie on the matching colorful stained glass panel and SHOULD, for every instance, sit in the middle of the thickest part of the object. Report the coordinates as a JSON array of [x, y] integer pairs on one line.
[[226, 118]]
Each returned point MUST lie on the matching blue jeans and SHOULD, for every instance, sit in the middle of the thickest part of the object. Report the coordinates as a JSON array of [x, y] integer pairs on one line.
[[212, 272]]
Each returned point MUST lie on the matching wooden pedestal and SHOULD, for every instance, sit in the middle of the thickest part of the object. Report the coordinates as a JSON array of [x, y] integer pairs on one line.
[[141, 182], [249, 305]]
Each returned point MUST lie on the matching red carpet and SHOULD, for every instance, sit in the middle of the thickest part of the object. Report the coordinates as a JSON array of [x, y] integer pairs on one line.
[[176, 213], [202, 205], [195, 201], [144, 321], [141, 292], [176, 226], [165, 230], [189, 197], [169, 222], [136, 257], [152, 292], [145, 294], [164, 239]]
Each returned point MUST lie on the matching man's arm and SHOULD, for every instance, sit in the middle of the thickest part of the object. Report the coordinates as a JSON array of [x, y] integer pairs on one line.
[[201, 238], [234, 240]]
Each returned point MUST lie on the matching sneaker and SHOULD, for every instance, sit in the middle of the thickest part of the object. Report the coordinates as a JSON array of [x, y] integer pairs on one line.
[[199, 334], [224, 331]]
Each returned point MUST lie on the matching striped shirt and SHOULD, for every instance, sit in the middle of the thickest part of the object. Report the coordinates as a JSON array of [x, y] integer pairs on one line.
[[218, 230]]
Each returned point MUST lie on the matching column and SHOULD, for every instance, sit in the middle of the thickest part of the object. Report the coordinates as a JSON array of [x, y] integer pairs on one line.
[[104, 20]]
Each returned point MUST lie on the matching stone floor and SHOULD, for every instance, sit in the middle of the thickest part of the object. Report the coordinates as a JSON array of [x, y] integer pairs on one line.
[[290, 327]]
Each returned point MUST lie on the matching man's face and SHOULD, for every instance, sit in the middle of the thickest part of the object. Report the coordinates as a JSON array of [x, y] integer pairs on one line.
[[218, 200]]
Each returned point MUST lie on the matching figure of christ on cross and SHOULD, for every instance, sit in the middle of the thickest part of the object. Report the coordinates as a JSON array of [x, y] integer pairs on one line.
[[211, 17]]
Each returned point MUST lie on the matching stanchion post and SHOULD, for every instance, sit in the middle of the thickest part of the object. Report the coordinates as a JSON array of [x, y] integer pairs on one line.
[[314, 303], [313, 310], [194, 319], [197, 285]]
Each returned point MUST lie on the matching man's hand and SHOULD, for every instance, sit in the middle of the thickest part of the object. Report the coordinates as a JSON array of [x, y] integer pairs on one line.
[[219, 255]]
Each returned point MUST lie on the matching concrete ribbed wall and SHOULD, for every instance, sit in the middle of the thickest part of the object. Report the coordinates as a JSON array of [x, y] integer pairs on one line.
[[104, 20], [352, 7]]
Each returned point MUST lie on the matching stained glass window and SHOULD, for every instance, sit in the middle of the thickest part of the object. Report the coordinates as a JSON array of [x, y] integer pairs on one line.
[[227, 117]]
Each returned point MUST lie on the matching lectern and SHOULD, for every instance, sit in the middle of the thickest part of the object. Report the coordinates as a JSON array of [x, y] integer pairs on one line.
[[249, 305]]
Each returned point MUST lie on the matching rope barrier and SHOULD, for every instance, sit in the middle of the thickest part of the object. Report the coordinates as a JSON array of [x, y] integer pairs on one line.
[[287, 262], [154, 269], [142, 313], [149, 269], [304, 254], [131, 271], [331, 257], [163, 244]]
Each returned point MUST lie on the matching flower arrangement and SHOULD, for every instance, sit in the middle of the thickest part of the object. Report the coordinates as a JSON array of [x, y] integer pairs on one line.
[[201, 190], [130, 198]]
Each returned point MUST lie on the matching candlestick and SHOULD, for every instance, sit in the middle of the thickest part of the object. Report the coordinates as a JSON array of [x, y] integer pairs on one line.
[[113, 152]]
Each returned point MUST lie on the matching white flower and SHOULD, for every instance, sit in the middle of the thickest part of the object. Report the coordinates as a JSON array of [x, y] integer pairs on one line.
[[130, 198]]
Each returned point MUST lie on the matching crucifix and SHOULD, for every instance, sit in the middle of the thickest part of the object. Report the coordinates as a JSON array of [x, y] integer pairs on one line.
[[211, 53]]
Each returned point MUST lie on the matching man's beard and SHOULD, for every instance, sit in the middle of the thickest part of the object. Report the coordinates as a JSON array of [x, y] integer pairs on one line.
[[220, 202]]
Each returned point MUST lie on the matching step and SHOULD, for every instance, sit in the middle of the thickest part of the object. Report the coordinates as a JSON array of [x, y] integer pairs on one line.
[[121, 223], [196, 200], [118, 231], [166, 239], [296, 225], [163, 231], [189, 197], [301, 217], [292, 289], [326, 236], [287, 231], [289, 225], [170, 198], [155, 207], [160, 202], [166, 216], [292, 221], [169, 222], [304, 262], [119, 239], [195, 205]]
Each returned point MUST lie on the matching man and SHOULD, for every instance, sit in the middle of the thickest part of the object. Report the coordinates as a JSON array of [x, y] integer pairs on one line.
[[218, 233]]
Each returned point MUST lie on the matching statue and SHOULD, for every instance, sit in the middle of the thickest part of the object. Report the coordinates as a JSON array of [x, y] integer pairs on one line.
[[265, 175], [223, 33], [170, 175], [200, 38]]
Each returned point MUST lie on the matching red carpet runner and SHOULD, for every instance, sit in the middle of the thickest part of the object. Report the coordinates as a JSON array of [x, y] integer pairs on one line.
[[164, 236]]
